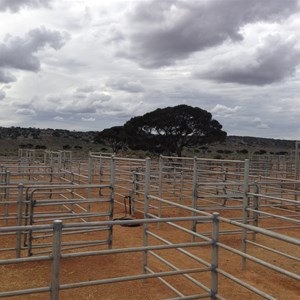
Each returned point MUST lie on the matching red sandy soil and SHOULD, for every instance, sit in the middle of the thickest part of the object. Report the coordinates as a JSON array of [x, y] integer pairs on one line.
[[37, 274]]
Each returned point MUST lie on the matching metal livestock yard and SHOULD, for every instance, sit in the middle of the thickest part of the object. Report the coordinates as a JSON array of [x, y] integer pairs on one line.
[[193, 214]]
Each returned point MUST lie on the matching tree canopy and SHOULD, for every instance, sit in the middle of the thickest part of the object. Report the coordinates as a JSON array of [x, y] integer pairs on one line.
[[114, 137], [172, 128]]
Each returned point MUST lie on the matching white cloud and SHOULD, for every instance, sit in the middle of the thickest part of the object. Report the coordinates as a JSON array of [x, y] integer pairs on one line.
[[223, 110], [58, 118], [26, 111], [123, 84], [85, 89], [88, 119], [257, 122]]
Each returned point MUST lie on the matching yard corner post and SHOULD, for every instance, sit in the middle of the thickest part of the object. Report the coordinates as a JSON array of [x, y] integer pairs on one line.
[[215, 255], [56, 255]]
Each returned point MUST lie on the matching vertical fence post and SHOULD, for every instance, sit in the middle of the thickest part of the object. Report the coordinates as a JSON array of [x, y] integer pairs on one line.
[[146, 210], [133, 193], [296, 186], [32, 204], [33, 159], [56, 253], [59, 161], [181, 188], [174, 180], [6, 196], [90, 169], [19, 220], [112, 196], [245, 211], [70, 161], [194, 193], [296, 160], [2, 180], [51, 161], [160, 183], [214, 256], [100, 171], [78, 171], [112, 171], [256, 207], [90, 179]]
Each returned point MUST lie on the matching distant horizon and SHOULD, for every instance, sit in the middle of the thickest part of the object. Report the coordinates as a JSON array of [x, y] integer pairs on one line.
[[74, 130]]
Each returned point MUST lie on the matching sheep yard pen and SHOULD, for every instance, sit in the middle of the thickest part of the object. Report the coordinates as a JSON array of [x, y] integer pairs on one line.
[[109, 227]]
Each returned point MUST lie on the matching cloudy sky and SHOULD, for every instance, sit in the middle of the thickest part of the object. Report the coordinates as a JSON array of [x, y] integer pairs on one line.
[[91, 64]]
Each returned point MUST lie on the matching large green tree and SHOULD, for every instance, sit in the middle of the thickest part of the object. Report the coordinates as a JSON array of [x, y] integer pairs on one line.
[[171, 129], [113, 137]]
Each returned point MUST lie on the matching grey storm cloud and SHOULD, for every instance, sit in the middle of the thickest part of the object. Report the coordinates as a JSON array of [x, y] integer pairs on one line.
[[2, 95], [122, 84], [16, 5], [19, 53], [272, 62], [6, 77], [160, 33], [75, 102]]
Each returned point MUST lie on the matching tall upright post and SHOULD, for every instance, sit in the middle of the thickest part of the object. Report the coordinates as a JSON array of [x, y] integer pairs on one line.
[[2, 179], [90, 169], [194, 192], [181, 187], [70, 161], [214, 256], [78, 171], [160, 182], [112, 183], [146, 210], [6, 195], [90, 179], [296, 160], [19, 220], [59, 158], [100, 169], [245, 211], [112, 171], [33, 155], [56, 254], [51, 161]]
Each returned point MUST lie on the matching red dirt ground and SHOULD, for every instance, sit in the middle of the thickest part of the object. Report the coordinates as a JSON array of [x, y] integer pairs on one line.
[[36, 274]]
